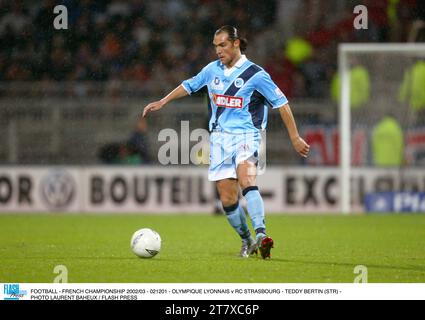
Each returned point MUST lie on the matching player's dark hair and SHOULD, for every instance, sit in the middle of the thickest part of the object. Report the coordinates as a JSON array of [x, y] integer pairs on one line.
[[233, 35]]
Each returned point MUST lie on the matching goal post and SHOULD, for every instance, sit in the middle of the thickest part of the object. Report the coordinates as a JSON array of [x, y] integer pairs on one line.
[[386, 65]]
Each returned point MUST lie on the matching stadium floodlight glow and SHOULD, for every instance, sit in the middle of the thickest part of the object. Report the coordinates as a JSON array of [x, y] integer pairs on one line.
[[344, 51]]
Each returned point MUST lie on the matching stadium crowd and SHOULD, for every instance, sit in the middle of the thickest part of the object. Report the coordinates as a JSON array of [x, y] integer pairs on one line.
[[126, 40], [162, 42]]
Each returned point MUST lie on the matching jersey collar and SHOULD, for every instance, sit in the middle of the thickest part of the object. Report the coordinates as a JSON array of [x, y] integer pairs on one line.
[[238, 65], [241, 61]]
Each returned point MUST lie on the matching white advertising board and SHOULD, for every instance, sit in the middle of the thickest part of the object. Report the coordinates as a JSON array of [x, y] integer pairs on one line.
[[185, 189]]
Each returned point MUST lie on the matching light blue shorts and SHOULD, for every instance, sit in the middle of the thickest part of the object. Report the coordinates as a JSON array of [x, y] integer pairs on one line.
[[228, 150]]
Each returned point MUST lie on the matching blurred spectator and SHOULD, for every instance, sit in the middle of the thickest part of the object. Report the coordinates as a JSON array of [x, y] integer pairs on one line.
[[298, 50], [133, 151], [14, 21], [315, 76], [408, 11], [138, 141], [412, 90], [109, 153], [359, 87], [388, 143]]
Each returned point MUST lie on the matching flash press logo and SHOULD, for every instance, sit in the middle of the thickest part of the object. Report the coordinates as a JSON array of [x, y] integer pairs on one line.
[[13, 292]]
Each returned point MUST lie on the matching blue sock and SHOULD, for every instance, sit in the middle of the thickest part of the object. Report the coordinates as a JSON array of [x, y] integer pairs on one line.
[[245, 228], [233, 214], [255, 206]]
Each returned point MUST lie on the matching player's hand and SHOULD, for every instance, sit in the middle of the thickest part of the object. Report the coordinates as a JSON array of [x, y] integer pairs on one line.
[[301, 146], [154, 106]]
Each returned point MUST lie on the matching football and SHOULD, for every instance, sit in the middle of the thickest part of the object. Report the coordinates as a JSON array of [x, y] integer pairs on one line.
[[145, 243]]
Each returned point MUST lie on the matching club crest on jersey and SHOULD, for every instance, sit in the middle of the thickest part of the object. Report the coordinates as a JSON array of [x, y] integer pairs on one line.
[[239, 82], [217, 84], [228, 101]]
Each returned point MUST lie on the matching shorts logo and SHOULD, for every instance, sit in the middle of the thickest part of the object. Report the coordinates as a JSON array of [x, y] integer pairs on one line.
[[228, 101], [239, 82], [244, 147], [217, 84]]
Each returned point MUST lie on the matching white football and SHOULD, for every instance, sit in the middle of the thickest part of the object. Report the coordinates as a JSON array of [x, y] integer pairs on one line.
[[145, 243]]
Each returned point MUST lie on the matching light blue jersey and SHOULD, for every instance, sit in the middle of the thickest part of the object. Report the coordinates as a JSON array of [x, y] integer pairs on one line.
[[238, 97]]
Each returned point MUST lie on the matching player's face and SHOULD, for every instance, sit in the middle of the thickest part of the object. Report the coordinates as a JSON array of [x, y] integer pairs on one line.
[[226, 49]]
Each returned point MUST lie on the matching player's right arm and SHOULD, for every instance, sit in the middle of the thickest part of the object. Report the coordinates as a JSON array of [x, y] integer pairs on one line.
[[186, 88], [177, 93]]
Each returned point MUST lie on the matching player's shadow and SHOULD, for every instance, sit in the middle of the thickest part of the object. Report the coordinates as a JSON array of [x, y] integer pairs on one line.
[[93, 258], [351, 265]]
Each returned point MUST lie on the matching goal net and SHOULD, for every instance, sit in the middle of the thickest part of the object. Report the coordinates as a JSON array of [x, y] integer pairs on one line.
[[381, 121]]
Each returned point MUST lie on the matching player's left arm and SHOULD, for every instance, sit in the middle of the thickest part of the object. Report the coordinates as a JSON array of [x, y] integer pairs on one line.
[[288, 119], [275, 97]]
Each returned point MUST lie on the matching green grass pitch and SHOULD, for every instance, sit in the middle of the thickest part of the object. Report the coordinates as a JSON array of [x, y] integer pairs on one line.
[[203, 248]]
